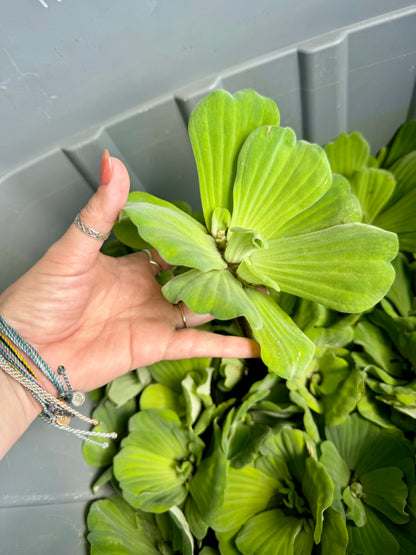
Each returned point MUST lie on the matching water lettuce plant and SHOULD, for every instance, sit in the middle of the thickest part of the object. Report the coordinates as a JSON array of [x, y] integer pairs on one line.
[[274, 216], [310, 450]]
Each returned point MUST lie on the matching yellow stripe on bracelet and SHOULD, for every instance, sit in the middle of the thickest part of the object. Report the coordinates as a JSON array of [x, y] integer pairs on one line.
[[19, 356]]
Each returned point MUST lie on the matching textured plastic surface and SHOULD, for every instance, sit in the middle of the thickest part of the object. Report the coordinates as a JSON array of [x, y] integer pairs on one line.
[[125, 76]]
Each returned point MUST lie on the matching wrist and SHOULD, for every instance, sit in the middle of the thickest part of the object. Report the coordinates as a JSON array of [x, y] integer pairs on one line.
[[18, 411]]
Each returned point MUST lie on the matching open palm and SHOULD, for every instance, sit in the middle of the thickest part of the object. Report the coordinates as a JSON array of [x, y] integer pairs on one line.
[[100, 316]]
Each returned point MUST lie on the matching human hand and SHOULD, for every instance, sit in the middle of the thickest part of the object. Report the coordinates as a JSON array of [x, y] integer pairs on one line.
[[101, 316]]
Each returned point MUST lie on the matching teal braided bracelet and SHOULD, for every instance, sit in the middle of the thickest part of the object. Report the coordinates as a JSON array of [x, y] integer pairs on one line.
[[57, 412]]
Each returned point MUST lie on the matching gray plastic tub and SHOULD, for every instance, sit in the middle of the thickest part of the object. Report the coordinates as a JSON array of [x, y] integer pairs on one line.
[[79, 77]]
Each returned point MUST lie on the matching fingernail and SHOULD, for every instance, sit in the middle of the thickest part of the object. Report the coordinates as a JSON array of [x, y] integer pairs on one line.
[[106, 171]]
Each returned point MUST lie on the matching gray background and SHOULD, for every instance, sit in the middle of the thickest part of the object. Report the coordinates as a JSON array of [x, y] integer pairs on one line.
[[79, 77]]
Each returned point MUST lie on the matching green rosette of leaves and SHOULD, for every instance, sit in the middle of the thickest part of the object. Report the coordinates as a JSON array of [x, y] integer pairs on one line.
[[386, 185], [157, 460], [373, 472], [115, 528], [287, 497], [274, 217]]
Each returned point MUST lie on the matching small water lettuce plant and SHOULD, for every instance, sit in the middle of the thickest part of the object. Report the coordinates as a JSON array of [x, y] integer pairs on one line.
[[275, 217], [373, 472]]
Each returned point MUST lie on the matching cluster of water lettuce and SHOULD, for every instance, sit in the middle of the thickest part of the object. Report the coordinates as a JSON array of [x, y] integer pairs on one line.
[[222, 456]]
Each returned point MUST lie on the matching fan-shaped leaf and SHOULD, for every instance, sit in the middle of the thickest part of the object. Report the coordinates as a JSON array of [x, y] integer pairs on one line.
[[216, 292], [337, 206], [318, 490], [171, 372], [285, 349], [270, 532], [399, 213], [403, 142], [348, 153], [189, 243], [218, 126], [158, 396], [335, 535], [373, 538], [115, 529], [277, 178], [111, 418], [248, 483], [345, 267], [385, 491], [373, 188]]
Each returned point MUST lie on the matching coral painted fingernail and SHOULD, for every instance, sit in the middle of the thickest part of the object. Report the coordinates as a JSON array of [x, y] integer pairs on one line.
[[106, 172]]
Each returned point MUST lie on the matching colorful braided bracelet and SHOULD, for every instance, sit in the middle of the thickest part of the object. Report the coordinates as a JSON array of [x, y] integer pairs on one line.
[[55, 411]]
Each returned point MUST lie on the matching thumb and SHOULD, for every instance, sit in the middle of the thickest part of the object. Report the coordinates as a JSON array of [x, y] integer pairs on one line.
[[99, 215]]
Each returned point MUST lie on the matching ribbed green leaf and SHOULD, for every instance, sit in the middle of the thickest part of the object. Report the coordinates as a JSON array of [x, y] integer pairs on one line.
[[406, 203], [177, 516], [245, 439], [171, 372], [269, 532], [403, 142], [218, 126], [344, 399], [374, 411], [373, 188], [196, 394], [304, 538], [375, 343], [308, 420], [284, 455], [399, 213], [373, 538], [216, 292], [126, 232], [365, 446], [335, 466], [178, 237], [115, 529], [405, 534], [128, 386], [159, 396], [352, 438], [400, 293], [334, 539], [198, 527], [348, 153], [208, 485], [337, 206], [390, 448], [345, 267], [111, 419], [248, 492], [152, 478], [385, 491], [318, 490], [285, 349], [226, 542], [277, 178]]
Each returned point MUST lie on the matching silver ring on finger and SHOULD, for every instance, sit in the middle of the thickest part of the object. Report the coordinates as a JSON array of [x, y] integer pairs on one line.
[[89, 230]]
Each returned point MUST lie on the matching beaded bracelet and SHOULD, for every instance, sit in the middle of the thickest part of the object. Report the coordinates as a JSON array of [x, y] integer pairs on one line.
[[55, 411]]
